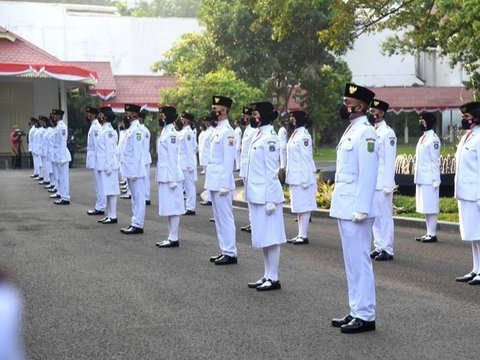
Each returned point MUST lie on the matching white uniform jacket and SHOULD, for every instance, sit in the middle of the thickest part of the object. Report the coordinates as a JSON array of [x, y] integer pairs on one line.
[[221, 158], [387, 152], [261, 182], [51, 139], [47, 133], [91, 143], [186, 148], [356, 172], [61, 154], [283, 139], [246, 141], [467, 172], [238, 138], [30, 138], [131, 159], [427, 164], [106, 158], [41, 141], [204, 147], [300, 164], [147, 157], [168, 167]]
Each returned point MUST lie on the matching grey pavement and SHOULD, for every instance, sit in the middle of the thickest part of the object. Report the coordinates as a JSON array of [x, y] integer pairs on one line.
[[91, 292]]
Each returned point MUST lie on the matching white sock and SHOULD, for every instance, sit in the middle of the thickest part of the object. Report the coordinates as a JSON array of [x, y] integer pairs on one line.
[[303, 220], [112, 206], [431, 220], [265, 262], [476, 256], [273, 261], [173, 225]]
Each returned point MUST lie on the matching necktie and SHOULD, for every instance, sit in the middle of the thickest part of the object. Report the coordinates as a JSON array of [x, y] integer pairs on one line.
[[469, 132], [423, 138]]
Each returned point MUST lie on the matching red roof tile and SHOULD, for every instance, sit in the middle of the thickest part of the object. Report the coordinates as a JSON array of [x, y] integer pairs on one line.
[[142, 89], [104, 72]]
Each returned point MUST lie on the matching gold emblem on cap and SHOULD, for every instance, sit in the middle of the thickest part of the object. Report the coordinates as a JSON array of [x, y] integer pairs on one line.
[[352, 89], [375, 103], [217, 100]]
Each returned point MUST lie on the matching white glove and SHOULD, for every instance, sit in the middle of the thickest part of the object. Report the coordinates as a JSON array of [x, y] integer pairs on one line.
[[108, 172], [133, 178], [478, 203], [223, 191], [436, 184], [270, 208], [190, 169], [358, 217], [304, 185], [387, 191], [172, 185]]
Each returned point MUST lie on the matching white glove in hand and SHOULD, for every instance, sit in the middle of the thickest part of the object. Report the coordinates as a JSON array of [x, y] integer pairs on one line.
[[108, 172], [304, 185], [436, 184], [133, 178], [358, 217], [387, 191], [270, 208], [223, 191], [172, 185]]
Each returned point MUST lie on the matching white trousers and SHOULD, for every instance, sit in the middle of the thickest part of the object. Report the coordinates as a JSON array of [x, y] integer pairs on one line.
[[36, 164], [147, 182], [111, 206], [356, 240], [55, 175], [271, 261], [101, 202], [173, 226], [303, 220], [137, 188], [237, 159], [190, 190], [224, 223], [383, 224], [63, 181]]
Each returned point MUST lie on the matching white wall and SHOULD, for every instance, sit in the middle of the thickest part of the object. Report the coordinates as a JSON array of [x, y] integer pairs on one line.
[[132, 45]]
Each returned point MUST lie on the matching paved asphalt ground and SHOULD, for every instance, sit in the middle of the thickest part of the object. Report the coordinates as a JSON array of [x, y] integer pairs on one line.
[[91, 292]]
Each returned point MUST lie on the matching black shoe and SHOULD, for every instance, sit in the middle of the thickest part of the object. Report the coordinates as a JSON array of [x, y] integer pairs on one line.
[[374, 253], [49, 186], [102, 219], [44, 183], [213, 258], [475, 281], [189, 212], [269, 285], [246, 227], [466, 278], [167, 243], [132, 230], [357, 326], [52, 190], [420, 238], [122, 230], [206, 203], [290, 241], [257, 283], [125, 196], [122, 183], [147, 202], [40, 179], [300, 241], [429, 239], [226, 260], [383, 256], [55, 196], [95, 212], [61, 202], [342, 321], [110, 221], [33, 176], [211, 219]]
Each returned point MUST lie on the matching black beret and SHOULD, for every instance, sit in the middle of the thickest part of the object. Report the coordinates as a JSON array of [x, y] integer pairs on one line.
[[428, 117], [143, 114], [380, 105], [188, 116], [132, 108], [247, 110], [222, 100], [358, 92], [91, 110], [58, 112], [167, 111], [469, 106], [105, 109], [44, 118]]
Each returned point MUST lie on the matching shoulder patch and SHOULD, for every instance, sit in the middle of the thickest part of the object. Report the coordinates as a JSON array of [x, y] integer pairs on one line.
[[306, 142], [231, 140], [392, 141], [173, 139], [370, 145], [436, 145], [139, 136]]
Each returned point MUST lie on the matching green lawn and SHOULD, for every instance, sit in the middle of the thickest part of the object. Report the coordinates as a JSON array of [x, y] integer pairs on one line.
[[328, 153]]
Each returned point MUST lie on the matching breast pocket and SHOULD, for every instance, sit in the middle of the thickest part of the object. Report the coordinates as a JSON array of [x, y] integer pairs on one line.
[[345, 152]]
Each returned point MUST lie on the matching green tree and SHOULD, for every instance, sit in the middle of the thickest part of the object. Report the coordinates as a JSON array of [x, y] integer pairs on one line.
[[195, 93]]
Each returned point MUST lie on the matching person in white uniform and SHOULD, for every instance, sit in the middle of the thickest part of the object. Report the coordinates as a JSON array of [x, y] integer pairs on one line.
[[238, 141], [45, 143], [34, 146], [250, 131], [352, 206], [283, 139], [169, 176], [40, 151], [219, 180], [201, 141], [31, 144], [188, 162], [383, 199], [132, 164], [147, 158], [51, 155], [48, 138], [107, 164], [467, 186], [204, 153], [264, 195], [301, 175], [61, 158], [92, 139], [427, 176], [127, 195]]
